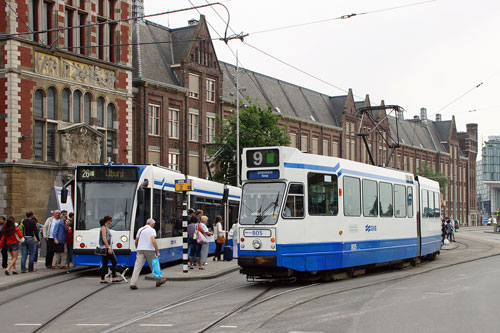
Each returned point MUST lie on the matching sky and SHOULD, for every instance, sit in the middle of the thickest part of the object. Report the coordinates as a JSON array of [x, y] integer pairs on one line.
[[443, 55]]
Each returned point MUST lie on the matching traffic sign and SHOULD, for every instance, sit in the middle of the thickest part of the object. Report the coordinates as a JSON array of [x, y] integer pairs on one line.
[[184, 185]]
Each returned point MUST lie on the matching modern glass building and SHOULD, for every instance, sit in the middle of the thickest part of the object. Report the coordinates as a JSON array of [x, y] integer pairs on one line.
[[491, 171]]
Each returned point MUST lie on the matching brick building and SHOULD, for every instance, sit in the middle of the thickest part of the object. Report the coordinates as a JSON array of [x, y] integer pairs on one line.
[[66, 94], [177, 84]]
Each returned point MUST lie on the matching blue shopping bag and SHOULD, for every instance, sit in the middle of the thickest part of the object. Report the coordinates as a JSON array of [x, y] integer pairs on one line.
[[156, 268]]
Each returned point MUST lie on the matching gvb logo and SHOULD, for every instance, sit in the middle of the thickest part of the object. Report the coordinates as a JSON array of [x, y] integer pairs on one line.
[[369, 228]]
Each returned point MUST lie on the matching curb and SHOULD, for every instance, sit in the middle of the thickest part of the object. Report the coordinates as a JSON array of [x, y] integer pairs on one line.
[[40, 278], [205, 277]]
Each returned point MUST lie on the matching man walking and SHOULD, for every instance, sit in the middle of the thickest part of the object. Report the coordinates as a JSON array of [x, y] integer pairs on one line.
[[146, 245], [28, 247], [48, 234]]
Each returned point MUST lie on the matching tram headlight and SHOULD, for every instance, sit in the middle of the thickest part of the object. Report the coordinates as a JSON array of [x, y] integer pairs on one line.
[[79, 238], [257, 243], [124, 238]]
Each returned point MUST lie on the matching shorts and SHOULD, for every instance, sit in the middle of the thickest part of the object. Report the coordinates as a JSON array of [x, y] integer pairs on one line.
[[12, 247], [195, 249]]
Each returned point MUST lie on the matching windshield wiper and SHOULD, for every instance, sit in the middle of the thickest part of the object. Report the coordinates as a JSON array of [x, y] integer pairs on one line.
[[263, 215]]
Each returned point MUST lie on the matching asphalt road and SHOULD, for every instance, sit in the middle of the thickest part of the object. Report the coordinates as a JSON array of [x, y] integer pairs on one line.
[[458, 292]]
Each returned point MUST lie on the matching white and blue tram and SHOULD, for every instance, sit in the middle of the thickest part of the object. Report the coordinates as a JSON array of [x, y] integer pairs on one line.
[[133, 193], [302, 213]]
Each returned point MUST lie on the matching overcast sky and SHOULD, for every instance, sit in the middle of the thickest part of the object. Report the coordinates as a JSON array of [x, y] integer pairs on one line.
[[425, 55]]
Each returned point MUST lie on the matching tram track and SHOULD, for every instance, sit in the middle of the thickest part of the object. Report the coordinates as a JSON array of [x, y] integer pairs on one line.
[[34, 290]]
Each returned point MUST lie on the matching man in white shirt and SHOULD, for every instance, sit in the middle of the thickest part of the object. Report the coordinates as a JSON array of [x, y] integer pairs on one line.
[[147, 249]]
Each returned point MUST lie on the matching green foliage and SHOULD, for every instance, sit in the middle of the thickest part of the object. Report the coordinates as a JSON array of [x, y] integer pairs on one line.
[[258, 128], [428, 172]]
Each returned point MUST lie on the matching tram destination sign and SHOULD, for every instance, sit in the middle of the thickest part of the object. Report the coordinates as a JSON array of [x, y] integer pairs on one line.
[[86, 174], [183, 185], [263, 158]]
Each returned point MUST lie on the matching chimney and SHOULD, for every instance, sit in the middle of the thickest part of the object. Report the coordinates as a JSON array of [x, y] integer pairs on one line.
[[438, 117], [192, 22], [423, 113], [400, 115], [416, 117], [138, 9]]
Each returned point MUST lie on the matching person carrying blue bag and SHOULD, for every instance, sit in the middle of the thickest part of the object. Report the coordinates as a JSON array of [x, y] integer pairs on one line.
[[147, 249]]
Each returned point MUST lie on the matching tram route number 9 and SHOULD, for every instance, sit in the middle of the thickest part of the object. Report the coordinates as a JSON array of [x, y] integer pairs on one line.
[[263, 158]]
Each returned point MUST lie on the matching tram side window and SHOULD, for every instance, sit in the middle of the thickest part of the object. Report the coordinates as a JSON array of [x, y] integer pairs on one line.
[[399, 200], [410, 201], [294, 206], [157, 210], [370, 198], [352, 196], [143, 211], [437, 205], [171, 223], [430, 195], [386, 205], [322, 194], [425, 204]]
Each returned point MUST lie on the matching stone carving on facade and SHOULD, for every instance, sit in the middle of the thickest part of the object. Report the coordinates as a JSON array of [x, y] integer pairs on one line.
[[74, 71], [80, 144]]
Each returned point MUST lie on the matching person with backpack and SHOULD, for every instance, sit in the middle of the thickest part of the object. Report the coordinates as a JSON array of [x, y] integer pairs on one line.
[[31, 240]]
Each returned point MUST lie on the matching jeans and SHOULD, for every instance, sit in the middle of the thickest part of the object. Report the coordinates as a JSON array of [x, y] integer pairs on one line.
[[28, 248], [5, 257], [104, 267], [50, 253], [69, 257]]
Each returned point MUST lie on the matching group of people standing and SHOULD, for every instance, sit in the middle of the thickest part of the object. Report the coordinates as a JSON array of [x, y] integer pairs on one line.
[[448, 229], [27, 235], [200, 234]]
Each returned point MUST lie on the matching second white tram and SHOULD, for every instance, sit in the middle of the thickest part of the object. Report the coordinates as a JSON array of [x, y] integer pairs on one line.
[[303, 213]]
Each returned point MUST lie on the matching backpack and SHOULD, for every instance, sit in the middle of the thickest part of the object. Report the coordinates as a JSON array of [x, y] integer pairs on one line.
[[21, 227]]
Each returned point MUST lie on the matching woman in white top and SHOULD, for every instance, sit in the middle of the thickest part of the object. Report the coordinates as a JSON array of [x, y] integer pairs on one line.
[[220, 237], [208, 234]]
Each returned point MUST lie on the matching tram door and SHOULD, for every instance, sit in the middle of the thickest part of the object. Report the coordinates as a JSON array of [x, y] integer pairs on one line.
[[419, 219]]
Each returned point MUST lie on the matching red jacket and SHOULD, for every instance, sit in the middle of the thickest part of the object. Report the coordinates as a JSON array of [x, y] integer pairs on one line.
[[69, 236], [11, 239]]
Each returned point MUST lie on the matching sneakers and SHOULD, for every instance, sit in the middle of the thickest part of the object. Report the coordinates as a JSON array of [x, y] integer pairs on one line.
[[133, 287], [159, 282]]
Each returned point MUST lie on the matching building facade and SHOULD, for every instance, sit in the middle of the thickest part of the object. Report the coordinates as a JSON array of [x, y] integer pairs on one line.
[[66, 91], [491, 172]]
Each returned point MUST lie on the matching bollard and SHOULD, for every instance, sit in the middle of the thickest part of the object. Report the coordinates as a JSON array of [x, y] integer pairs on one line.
[[184, 238]]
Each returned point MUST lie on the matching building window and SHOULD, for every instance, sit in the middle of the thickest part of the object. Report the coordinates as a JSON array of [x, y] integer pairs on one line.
[[315, 146], [80, 33], [45, 125], [194, 85], [326, 149], [110, 139], [110, 110], [210, 90], [194, 164], [173, 123], [47, 22], [210, 129], [194, 126], [109, 135], [303, 143], [65, 106], [77, 97], [153, 119], [100, 112], [173, 161], [293, 140], [87, 103], [68, 33]]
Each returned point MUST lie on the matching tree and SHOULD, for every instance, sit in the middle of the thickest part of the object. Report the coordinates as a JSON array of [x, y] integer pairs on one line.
[[258, 128], [428, 172]]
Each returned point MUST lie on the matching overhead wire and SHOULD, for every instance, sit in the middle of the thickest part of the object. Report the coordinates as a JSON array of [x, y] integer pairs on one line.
[[343, 17]]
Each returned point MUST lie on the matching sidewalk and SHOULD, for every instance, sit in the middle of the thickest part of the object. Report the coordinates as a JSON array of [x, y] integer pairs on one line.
[[10, 281], [212, 270]]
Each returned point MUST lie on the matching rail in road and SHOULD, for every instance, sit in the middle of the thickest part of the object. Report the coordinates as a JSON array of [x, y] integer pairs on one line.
[[231, 299]]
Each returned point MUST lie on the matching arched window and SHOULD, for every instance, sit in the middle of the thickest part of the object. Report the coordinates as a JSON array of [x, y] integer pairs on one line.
[[100, 111], [87, 99], [65, 104], [110, 115], [51, 103], [77, 97]]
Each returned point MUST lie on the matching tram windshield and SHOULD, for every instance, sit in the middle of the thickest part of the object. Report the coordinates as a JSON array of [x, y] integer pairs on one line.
[[98, 199], [261, 203]]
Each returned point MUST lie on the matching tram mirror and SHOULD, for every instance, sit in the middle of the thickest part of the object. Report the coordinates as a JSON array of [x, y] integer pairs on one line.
[[64, 195]]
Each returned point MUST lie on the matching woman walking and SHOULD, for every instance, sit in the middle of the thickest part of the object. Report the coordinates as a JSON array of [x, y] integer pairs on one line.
[[106, 241], [220, 237], [11, 236]]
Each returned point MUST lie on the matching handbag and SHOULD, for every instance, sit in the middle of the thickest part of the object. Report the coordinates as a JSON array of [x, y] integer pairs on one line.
[[221, 240], [200, 237], [101, 251], [20, 240]]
